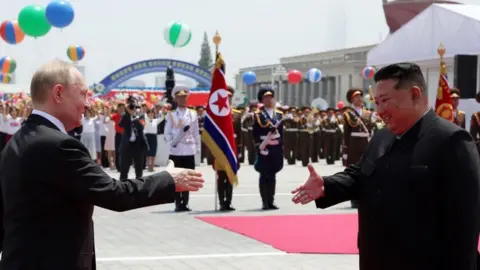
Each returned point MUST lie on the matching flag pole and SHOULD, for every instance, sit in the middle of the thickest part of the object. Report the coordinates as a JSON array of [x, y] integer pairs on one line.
[[216, 40]]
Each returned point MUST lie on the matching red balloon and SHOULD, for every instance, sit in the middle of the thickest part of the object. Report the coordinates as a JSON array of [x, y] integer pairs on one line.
[[340, 104], [294, 76]]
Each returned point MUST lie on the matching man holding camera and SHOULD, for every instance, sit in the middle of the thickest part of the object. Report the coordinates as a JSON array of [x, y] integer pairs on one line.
[[133, 144], [182, 134]]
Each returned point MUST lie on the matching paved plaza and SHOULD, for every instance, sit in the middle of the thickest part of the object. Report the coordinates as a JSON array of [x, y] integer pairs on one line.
[[158, 238]]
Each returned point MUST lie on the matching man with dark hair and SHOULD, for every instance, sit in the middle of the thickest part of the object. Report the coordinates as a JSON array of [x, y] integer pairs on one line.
[[417, 184], [458, 115]]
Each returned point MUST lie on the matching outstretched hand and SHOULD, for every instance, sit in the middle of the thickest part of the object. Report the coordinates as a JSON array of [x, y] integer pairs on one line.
[[311, 190], [185, 179]]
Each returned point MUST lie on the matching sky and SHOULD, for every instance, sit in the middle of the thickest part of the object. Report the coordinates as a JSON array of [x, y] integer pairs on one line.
[[115, 33]]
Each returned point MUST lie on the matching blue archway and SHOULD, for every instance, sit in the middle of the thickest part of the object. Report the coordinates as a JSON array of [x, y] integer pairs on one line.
[[127, 72]]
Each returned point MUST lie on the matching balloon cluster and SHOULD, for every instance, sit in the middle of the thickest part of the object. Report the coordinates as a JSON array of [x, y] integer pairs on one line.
[[36, 21], [314, 75], [7, 67]]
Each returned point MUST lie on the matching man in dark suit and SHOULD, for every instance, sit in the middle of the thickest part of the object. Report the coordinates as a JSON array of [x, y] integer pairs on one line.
[[417, 184], [50, 184], [133, 145]]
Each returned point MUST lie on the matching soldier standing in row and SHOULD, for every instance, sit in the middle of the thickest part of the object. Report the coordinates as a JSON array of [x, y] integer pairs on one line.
[[238, 125], [331, 133], [247, 126], [356, 132], [224, 186], [305, 141], [201, 121], [183, 136], [290, 134], [458, 115], [316, 136], [269, 160]]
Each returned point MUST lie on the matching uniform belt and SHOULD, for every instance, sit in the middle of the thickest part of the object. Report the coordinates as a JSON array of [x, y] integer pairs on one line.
[[275, 136], [360, 134], [244, 129], [202, 128], [234, 135], [250, 128], [291, 129], [330, 130]]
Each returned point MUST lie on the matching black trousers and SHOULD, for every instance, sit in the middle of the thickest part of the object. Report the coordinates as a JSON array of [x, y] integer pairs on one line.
[[135, 152], [118, 139], [267, 186], [187, 162], [103, 153], [224, 189], [3, 140]]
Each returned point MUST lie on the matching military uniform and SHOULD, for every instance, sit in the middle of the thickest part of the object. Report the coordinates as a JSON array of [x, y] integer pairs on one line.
[[356, 131], [237, 115], [316, 131], [458, 115], [201, 122], [306, 136], [268, 164], [247, 132], [224, 186], [330, 136], [182, 123], [290, 133]]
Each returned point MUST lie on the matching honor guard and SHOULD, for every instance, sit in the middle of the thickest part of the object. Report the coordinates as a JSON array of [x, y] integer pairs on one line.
[[247, 128], [331, 133], [290, 134], [238, 116], [317, 149], [475, 125], [306, 136], [224, 186], [182, 133], [268, 137], [356, 130], [458, 115]]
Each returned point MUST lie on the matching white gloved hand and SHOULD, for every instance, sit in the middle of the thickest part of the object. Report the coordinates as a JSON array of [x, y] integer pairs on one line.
[[345, 156]]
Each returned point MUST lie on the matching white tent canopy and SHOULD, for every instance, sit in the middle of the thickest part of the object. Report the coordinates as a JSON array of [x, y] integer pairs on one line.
[[455, 26]]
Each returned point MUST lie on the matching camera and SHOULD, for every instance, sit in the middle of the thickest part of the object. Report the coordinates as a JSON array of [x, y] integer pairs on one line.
[[132, 103]]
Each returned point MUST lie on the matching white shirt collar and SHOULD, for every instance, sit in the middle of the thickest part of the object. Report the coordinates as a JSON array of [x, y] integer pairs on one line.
[[52, 119]]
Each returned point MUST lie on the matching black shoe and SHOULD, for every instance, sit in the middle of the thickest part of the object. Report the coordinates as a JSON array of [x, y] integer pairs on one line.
[[178, 209], [265, 207], [186, 208], [230, 208], [272, 206]]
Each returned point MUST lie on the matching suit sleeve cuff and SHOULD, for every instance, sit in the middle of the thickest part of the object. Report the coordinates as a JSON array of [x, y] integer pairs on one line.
[[165, 186], [325, 201]]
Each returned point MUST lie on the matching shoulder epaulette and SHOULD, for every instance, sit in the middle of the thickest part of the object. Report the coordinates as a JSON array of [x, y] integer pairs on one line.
[[236, 111], [278, 111], [461, 112]]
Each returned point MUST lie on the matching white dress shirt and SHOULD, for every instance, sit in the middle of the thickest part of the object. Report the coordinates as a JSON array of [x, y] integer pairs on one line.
[[189, 145], [52, 119]]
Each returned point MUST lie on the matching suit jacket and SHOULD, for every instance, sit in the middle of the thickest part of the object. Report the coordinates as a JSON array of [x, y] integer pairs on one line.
[[127, 124], [418, 198], [49, 187]]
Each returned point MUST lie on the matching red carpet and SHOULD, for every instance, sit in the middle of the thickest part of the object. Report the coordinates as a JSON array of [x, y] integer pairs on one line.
[[326, 234]]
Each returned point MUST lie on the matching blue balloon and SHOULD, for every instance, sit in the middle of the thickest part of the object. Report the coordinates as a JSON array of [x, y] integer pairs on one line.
[[59, 14], [249, 77]]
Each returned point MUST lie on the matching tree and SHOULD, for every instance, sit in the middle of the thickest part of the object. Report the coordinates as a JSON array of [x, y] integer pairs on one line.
[[206, 60]]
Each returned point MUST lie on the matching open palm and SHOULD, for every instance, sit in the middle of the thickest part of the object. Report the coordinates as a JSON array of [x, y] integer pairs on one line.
[[311, 190]]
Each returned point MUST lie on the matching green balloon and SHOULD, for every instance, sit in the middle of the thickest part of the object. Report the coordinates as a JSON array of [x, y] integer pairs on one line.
[[33, 22]]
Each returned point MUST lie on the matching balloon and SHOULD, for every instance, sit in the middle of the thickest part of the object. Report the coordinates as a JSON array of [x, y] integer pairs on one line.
[[75, 53], [33, 22], [249, 77], [177, 34], [5, 78], [7, 65], [10, 32], [314, 75], [59, 14], [340, 104], [368, 73], [294, 76]]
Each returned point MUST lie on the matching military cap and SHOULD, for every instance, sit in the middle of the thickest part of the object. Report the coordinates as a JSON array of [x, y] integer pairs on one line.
[[180, 90], [353, 92], [455, 93], [265, 91], [200, 107], [230, 90], [304, 108], [252, 103], [331, 109]]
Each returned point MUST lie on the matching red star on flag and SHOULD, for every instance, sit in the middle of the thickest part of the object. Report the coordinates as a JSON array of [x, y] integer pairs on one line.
[[221, 102]]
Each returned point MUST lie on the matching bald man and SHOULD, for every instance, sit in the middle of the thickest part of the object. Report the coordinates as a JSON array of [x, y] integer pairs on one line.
[[50, 183]]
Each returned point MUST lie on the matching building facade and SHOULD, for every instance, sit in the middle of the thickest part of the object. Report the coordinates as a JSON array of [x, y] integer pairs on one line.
[[341, 70]]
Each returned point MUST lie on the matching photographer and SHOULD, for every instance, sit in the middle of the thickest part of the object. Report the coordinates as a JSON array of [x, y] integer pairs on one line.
[[133, 144]]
